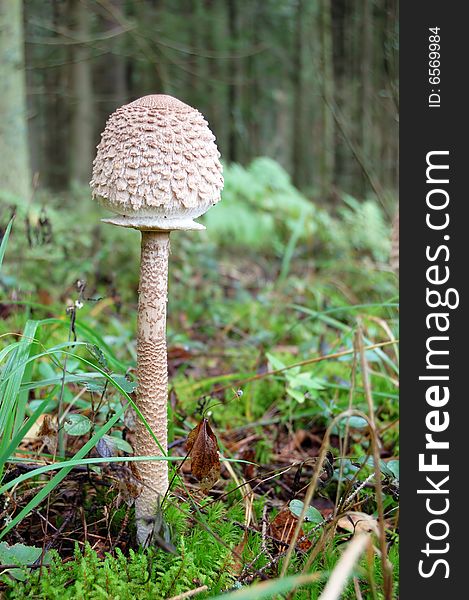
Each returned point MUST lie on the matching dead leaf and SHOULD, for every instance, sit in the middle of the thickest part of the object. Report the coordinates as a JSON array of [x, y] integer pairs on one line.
[[358, 522], [179, 353], [249, 470], [129, 484], [202, 447], [283, 527], [324, 505], [128, 491], [238, 563], [48, 434], [45, 297], [303, 473]]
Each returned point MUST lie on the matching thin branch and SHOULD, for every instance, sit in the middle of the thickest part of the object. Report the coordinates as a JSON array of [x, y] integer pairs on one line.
[[387, 579]]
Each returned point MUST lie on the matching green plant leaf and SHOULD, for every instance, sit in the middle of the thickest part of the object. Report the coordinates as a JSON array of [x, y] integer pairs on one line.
[[98, 354], [305, 380], [20, 555], [76, 424], [126, 385], [312, 514], [3, 245], [108, 445], [94, 386], [14, 400], [355, 422], [390, 468], [275, 362], [393, 465], [296, 394]]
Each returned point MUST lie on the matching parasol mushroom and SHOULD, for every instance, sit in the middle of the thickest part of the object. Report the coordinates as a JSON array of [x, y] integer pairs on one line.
[[157, 168]]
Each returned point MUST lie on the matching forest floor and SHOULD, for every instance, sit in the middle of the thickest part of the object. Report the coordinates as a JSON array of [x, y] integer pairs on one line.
[[293, 366]]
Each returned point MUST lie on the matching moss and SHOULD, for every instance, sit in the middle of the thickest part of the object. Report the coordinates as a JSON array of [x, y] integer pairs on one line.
[[203, 541]]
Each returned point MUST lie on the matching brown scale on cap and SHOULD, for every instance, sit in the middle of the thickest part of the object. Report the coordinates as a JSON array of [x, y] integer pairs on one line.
[[157, 165]]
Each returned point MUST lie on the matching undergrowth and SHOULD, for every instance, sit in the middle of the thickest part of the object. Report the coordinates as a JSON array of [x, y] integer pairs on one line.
[[199, 559], [265, 309]]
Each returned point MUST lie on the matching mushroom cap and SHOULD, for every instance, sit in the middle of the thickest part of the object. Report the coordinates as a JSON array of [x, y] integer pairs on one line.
[[157, 165]]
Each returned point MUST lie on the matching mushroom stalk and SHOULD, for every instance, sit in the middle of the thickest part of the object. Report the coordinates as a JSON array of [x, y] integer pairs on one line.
[[152, 375]]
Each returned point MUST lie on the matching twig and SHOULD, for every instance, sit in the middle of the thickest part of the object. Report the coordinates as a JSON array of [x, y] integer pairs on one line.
[[356, 587], [264, 548], [347, 426], [363, 484], [387, 580], [280, 555], [190, 593]]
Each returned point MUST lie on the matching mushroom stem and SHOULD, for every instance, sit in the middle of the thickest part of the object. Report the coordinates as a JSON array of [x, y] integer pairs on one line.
[[152, 374]]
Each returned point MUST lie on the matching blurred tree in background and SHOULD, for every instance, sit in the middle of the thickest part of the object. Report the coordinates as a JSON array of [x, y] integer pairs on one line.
[[310, 83], [15, 177]]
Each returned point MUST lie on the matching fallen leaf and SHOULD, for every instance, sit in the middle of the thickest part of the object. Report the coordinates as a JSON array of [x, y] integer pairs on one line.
[[202, 447], [108, 446], [128, 491], [48, 433], [324, 505], [358, 522], [130, 485], [249, 470], [238, 563], [179, 353], [45, 297], [283, 527]]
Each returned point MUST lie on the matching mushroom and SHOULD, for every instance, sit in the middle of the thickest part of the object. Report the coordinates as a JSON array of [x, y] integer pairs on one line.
[[157, 168]]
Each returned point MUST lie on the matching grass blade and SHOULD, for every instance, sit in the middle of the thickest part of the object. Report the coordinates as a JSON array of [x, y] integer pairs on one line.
[[3, 245], [270, 589], [344, 568], [78, 462], [47, 489], [13, 407]]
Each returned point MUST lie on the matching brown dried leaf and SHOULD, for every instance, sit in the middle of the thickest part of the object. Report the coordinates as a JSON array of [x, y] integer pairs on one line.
[[249, 470], [283, 527], [202, 447], [179, 353], [48, 434], [128, 491], [238, 563], [128, 484]]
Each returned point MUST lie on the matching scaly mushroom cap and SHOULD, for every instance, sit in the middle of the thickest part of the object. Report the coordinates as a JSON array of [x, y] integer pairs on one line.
[[157, 165]]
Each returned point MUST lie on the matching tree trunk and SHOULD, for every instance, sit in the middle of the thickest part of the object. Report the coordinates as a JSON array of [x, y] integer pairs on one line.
[[15, 176], [81, 134], [235, 86], [110, 72], [254, 89], [366, 100], [216, 36], [55, 151], [327, 156], [298, 102]]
